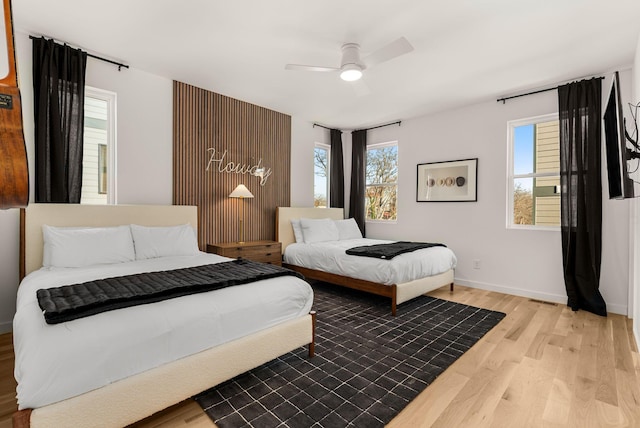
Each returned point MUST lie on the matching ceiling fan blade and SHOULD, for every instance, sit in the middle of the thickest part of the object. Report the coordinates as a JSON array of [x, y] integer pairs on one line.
[[394, 49], [309, 67]]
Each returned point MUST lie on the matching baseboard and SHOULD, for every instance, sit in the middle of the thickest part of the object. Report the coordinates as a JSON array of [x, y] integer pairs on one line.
[[6, 327], [547, 297]]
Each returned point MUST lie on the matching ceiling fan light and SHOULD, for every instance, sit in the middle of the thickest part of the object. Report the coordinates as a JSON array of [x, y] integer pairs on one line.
[[351, 72]]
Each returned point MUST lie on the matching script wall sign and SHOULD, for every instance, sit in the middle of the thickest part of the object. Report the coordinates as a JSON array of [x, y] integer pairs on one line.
[[231, 167]]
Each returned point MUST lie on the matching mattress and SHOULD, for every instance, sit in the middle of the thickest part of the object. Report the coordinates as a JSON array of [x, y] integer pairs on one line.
[[330, 257], [55, 362]]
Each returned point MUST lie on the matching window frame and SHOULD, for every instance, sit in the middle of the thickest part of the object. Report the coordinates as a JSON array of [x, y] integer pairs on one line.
[[382, 145], [327, 147], [111, 99], [511, 176]]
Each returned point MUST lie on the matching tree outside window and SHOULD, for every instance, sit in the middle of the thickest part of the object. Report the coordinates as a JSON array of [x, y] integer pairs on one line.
[[382, 182], [321, 176]]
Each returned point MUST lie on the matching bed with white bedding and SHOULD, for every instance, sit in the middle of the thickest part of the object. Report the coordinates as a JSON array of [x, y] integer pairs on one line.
[[117, 367], [402, 278]]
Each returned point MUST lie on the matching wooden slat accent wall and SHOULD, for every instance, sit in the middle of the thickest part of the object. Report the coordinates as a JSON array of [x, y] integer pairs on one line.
[[203, 119]]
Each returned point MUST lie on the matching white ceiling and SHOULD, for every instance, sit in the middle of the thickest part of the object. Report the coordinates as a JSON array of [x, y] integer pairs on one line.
[[466, 51]]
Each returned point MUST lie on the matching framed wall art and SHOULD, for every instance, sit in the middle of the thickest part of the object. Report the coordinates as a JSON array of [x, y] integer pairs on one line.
[[450, 181]]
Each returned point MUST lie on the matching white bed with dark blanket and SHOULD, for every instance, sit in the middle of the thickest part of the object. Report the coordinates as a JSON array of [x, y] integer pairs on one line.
[[401, 278], [330, 256], [119, 366]]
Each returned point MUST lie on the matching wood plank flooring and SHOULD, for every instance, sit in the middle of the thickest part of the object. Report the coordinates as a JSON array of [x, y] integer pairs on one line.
[[542, 366]]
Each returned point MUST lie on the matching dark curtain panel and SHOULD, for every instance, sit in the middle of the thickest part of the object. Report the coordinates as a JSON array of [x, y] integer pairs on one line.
[[358, 178], [58, 91], [581, 193], [336, 169]]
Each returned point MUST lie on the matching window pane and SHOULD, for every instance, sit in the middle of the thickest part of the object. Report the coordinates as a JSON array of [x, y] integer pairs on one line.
[[547, 144], [102, 169], [523, 149], [382, 165], [523, 201], [94, 175], [321, 172], [536, 201], [381, 202], [546, 197]]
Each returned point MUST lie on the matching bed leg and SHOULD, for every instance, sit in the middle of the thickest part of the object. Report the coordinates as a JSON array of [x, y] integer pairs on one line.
[[394, 299], [451, 287], [22, 418], [312, 345]]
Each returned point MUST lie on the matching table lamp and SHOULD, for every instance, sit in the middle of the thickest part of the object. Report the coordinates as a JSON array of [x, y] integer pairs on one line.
[[241, 192]]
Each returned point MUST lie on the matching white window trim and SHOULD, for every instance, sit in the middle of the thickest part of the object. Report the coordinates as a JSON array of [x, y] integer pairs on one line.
[[326, 147], [381, 146], [511, 125], [110, 98]]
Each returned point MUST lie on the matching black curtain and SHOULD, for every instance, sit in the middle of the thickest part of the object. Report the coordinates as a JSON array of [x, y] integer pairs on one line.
[[358, 177], [336, 169], [581, 193], [58, 91]]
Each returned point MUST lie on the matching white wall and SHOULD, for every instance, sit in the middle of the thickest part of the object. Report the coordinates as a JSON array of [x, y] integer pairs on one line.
[[520, 262], [144, 132], [144, 150], [303, 138]]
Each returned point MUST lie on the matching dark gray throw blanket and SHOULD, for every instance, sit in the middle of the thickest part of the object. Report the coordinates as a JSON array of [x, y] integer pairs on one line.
[[389, 251], [75, 301]]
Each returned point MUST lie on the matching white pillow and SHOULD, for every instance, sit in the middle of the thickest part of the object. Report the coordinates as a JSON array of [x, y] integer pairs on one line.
[[152, 242], [348, 229], [318, 230], [297, 230], [78, 247]]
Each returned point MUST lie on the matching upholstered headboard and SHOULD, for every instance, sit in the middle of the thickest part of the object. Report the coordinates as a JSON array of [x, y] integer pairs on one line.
[[284, 231], [35, 215]]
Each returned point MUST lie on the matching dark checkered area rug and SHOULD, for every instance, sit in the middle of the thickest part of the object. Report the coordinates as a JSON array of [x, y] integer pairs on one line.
[[368, 366]]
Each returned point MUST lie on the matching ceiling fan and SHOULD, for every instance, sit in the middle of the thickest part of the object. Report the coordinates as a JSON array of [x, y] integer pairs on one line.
[[352, 66]]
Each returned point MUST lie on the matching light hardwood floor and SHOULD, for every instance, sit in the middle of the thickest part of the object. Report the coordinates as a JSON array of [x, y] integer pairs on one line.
[[541, 366]]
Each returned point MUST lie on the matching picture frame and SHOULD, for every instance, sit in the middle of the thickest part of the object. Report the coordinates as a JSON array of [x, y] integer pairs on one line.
[[448, 181]]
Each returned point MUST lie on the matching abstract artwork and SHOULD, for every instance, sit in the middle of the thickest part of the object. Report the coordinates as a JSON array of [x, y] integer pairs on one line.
[[450, 181]]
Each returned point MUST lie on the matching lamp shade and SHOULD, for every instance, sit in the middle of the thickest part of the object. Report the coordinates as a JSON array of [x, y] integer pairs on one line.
[[241, 192]]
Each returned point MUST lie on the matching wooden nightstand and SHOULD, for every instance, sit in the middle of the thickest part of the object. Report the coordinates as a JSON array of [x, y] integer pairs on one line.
[[258, 251]]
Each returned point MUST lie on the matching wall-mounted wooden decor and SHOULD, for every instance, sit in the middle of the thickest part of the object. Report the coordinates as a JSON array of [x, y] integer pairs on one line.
[[220, 142]]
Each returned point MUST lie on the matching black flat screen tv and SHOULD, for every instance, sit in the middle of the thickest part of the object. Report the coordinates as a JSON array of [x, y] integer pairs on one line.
[[620, 185]]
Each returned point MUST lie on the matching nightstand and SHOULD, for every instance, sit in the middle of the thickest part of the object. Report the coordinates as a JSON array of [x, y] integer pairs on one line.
[[258, 251]]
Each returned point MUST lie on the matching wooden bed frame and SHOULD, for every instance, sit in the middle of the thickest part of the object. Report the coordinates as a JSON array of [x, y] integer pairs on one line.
[[398, 293], [137, 397]]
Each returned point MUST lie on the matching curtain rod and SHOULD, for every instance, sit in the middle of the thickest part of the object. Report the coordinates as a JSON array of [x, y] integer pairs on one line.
[[322, 126], [365, 129], [119, 64], [398, 122], [535, 92]]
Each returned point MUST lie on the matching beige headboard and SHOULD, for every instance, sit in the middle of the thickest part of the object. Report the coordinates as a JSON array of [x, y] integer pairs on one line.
[[35, 215], [284, 231]]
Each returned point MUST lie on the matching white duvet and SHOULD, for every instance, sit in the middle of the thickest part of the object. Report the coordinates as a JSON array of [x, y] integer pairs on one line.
[[330, 257], [55, 362]]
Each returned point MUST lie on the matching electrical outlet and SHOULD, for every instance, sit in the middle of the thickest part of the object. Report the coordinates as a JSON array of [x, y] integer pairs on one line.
[[476, 264]]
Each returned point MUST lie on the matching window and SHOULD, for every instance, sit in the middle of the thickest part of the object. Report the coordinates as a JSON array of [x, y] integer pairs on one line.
[[382, 181], [534, 173], [321, 157], [98, 159]]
